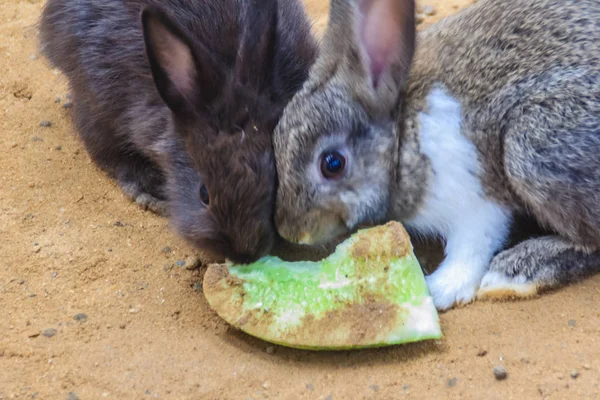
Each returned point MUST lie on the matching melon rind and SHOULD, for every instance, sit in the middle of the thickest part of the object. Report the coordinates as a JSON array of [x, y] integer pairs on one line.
[[370, 292]]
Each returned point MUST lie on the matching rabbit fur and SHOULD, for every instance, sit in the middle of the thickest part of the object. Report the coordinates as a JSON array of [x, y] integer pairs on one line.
[[490, 115], [177, 100]]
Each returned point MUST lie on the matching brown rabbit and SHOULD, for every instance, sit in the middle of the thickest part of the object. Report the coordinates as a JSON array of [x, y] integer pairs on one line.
[[177, 101], [495, 115]]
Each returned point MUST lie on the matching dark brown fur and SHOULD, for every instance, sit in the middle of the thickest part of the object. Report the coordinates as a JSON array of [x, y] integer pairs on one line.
[[162, 145]]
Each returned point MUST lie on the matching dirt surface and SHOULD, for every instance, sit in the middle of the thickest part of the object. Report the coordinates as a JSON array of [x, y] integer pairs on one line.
[[96, 301]]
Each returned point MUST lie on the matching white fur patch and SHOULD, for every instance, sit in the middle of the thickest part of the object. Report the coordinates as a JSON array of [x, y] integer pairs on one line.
[[456, 208]]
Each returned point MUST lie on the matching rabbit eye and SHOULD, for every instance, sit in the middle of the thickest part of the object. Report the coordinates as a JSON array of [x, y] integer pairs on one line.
[[204, 197], [333, 164]]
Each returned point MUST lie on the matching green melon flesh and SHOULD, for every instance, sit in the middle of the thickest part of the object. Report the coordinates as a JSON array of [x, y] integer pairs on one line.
[[370, 292]]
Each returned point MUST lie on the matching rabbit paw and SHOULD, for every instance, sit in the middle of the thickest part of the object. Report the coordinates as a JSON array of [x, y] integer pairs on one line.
[[149, 202], [451, 286], [500, 286], [145, 200]]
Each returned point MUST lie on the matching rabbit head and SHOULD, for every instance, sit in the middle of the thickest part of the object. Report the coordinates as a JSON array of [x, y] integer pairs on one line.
[[336, 144], [222, 188]]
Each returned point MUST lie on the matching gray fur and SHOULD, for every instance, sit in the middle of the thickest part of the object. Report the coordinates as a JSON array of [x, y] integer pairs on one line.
[[526, 73], [537, 264]]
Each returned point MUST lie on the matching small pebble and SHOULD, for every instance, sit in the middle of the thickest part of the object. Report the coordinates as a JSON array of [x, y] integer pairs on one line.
[[72, 396], [481, 353], [45, 124], [49, 332], [57, 99], [180, 263], [166, 250], [500, 373], [266, 384], [122, 326], [574, 374], [197, 286], [374, 388], [452, 382], [419, 18], [37, 139], [33, 334], [271, 350], [80, 317], [429, 10], [587, 366], [572, 323], [58, 148], [310, 386], [192, 263], [330, 397], [33, 57], [67, 105], [118, 224]]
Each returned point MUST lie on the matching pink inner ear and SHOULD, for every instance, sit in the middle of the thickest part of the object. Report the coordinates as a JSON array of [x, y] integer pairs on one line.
[[381, 34], [176, 59], [181, 67]]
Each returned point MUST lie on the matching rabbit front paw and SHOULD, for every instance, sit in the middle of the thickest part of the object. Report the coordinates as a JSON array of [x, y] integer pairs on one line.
[[145, 200], [151, 203], [450, 287]]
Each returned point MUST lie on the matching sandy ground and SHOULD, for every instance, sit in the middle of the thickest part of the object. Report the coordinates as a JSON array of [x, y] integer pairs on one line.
[[94, 304]]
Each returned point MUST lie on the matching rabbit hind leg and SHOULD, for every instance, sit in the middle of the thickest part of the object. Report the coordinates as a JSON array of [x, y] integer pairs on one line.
[[142, 182], [552, 164], [535, 265], [140, 179], [551, 161]]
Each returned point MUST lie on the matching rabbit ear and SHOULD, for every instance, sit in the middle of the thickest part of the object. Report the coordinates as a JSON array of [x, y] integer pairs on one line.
[[185, 72], [254, 65], [373, 41]]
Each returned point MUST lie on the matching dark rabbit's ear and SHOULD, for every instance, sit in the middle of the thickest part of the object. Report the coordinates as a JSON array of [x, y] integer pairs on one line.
[[255, 62], [185, 72], [373, 41]]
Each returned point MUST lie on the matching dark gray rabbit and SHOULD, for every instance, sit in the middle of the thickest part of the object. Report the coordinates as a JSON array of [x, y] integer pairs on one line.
[[489, 115], [177, 101]]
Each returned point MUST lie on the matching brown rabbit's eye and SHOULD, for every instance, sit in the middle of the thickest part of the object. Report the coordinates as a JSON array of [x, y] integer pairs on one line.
[[204, 197], [333, 164]]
